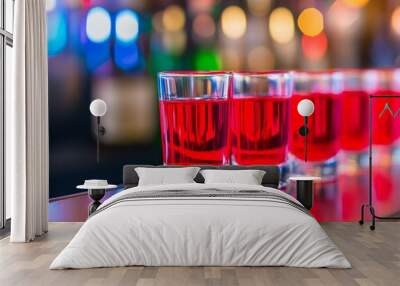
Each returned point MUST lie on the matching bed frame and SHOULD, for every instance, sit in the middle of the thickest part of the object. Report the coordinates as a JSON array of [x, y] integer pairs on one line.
[[270, 179]]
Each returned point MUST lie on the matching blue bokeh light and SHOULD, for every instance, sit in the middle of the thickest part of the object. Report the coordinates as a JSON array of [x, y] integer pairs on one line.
[[56, 32], [126, 57], [98, 25], [126, 26], [96, 55]]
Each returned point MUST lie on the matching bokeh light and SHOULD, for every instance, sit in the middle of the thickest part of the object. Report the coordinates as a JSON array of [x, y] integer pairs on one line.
[[314, 48], [157, 22], [197, 6], [207, 59], [126, 57], [356, 3], [126, 26], [260, 58], [281, 25], [231, 59], [348, 17], [233, 22], [259, 7], [204, 26], [174, 43], [50, 5], [311, 22], [56, 33], [173, 18], [395, 21], [98, 25]]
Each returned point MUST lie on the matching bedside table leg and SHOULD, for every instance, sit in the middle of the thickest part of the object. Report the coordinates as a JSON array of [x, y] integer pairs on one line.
[[96, 195], [305, 193], [93, 207]]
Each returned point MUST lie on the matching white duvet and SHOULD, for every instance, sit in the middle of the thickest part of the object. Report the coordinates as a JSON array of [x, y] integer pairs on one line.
[[200, 231]]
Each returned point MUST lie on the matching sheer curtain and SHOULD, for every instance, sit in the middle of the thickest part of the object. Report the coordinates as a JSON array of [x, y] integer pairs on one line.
[[27, 169]]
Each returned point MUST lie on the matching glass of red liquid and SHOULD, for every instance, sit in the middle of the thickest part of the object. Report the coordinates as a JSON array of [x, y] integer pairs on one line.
[[354, 134], [260, 117], [194, 117], [385, 110], [323, 89]]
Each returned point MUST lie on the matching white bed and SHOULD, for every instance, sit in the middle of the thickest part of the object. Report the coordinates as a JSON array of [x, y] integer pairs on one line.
[[185, 230]]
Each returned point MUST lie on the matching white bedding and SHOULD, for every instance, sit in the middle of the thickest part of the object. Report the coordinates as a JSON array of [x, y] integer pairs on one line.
[[200, 231]]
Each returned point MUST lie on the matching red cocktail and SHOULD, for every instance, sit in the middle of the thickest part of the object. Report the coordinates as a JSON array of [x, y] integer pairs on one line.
[[259, 119], [194, 117], [385, 110], [323, 140], [354, 135]]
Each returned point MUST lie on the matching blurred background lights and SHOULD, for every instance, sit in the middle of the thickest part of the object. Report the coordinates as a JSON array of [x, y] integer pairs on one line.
[[98, 25], [50, 5], [175, 42], [127, 26], [197, 6], [314, 48], [348, 17], [56, 33], [126, 57], [395, 20], [203, 25], [207, 59], [231, 59], [355, 3], [311, 22], [233, 22], [259, 7], [157, 22], [173, 18], [281, 25], [260, 58]]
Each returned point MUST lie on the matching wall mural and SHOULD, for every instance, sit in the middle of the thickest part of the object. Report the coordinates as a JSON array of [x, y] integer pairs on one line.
[[114, 50]]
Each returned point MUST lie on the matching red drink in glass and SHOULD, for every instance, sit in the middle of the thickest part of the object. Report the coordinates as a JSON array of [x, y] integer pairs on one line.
[[354, 135], [323, 140], [385, 110], [259, 119], [385, 118], [194, 117], [259, 129], [323, 124], [354, 123], [195, 131]]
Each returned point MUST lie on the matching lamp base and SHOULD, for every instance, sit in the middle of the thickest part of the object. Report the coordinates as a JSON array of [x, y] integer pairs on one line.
[[303, 130]]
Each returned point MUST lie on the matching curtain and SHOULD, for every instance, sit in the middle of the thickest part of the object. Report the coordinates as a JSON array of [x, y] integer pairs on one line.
[[27, 171]]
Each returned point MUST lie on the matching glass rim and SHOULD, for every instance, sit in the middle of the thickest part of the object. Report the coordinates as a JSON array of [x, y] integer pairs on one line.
[[192, 73], [352, 70], [262, 72], [316, 72]]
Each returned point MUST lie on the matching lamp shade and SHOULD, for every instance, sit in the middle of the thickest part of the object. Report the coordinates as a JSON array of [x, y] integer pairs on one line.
[[305, 107], [98, 107]]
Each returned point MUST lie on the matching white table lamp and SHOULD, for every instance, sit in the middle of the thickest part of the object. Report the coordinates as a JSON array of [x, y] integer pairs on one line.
[[305, 108], [98, 108]]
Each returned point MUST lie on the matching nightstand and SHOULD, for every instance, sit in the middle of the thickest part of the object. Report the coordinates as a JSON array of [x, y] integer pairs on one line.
[[96, 191], [305, 189]]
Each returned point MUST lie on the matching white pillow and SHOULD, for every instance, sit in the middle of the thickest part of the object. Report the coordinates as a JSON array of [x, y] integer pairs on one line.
[[165, 176], [248, 177]]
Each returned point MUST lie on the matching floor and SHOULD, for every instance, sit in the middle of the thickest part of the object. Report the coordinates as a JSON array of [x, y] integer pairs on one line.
[[375, 257]]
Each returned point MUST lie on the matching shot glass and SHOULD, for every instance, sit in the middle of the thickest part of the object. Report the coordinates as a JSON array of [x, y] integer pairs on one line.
[[260, 117], [354, 134], [194, 117], [323, 137]]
